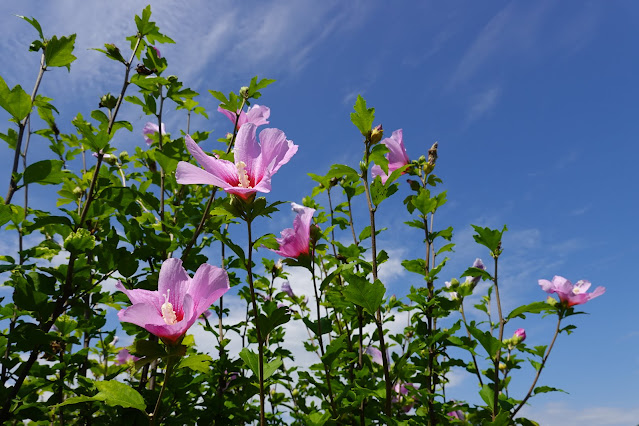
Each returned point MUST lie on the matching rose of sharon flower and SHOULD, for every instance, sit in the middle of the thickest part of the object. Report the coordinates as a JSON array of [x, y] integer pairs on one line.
[[171, 310], [295, 242], [254, 164], [151, 129], [569, 294], [397, 156], [473, 281], [124, 356], [256, 114]]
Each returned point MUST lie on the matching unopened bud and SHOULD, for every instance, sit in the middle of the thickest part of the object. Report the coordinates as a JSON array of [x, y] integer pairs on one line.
[[519, 336], [124, 156], [111, 159], [502, 366], [244, 91], [107, 101], [392, 299], [377, 134], [77, 191]]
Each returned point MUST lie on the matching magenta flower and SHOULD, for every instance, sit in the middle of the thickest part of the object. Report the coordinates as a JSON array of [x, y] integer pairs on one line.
[[474, 280], [519, 335], [295, 242], [397, 156], [256, 114], [171, 310], [254, 164], [570, 295], [151, 129], [124, 356]]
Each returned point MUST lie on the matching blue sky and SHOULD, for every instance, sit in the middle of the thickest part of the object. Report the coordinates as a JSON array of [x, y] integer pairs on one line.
[[534, 106]]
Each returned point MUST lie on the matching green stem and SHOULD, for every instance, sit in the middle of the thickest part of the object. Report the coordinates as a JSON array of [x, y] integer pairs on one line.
[[170, 363], [541, 367], [501, 338], [260, 343]]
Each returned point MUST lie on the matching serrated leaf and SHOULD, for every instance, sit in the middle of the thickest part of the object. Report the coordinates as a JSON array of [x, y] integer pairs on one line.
[[363, 293], [487, 394], [533, 308], [489, 238], [271, 367], [251, 359], [45, 172], [58, 51], [34, 23], [363, 117], [486, 340]]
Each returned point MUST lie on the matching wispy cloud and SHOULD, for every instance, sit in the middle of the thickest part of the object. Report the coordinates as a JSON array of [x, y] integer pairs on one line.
[[483, 104]]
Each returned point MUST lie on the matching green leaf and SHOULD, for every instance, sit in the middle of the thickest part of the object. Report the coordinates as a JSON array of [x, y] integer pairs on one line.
[[490, 238], [363, 117], [546, 389], [197, 362], [363, 293], [251, 359], [341, 170], [57, 52], [34, 23], [45, 172], [113, 393], [488, 395], [148, 349], [486, 340], [15, 101], [79, 241], [533, 308], [423, 202], [271, 367], [276, 318], [325, 322], [417, 266], [334, 348]]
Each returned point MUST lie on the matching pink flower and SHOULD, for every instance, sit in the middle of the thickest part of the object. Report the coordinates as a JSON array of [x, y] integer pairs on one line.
[[401, 395], [157, 51], [124, 356], [171, 310], [295, 242], [286, 288], [256, 114], [519, 335], [570, 295], [375, 354], [472, 281], [254, 164], [151, 129], [205, 315], [458, 414], [397, 156]]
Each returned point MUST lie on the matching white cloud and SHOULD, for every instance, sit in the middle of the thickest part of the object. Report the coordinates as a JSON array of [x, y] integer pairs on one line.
[[483, 103], [562, 414]]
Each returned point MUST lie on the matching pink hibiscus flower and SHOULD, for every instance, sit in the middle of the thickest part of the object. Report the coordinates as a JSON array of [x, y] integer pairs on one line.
[[295, 242], [254, 164], [171, 310], [569, 294], [151, 129], [397, 156]]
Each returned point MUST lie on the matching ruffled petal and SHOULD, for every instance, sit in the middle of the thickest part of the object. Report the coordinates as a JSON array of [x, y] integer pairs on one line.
[[173, 282]]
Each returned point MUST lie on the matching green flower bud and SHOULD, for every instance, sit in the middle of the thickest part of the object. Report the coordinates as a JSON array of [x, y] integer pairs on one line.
[[376, 134]]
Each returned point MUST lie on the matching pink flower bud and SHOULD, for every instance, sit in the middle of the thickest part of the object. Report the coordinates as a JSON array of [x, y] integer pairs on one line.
[[519, 336]]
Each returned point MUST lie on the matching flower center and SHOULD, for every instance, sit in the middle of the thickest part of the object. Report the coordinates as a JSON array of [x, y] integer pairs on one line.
[[242, 175], [168, 314]]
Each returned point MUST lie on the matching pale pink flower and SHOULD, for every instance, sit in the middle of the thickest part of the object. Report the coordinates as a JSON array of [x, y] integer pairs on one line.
[[295, 242], [397, 156], [256, 114], [376, 354], [569, 294], [286, 288], [151, 129], [171, 310], [254, 164], [124, 356]]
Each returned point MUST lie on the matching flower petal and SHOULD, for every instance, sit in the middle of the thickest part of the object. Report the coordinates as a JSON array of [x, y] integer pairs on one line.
[[207, 286], [173, 282]]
